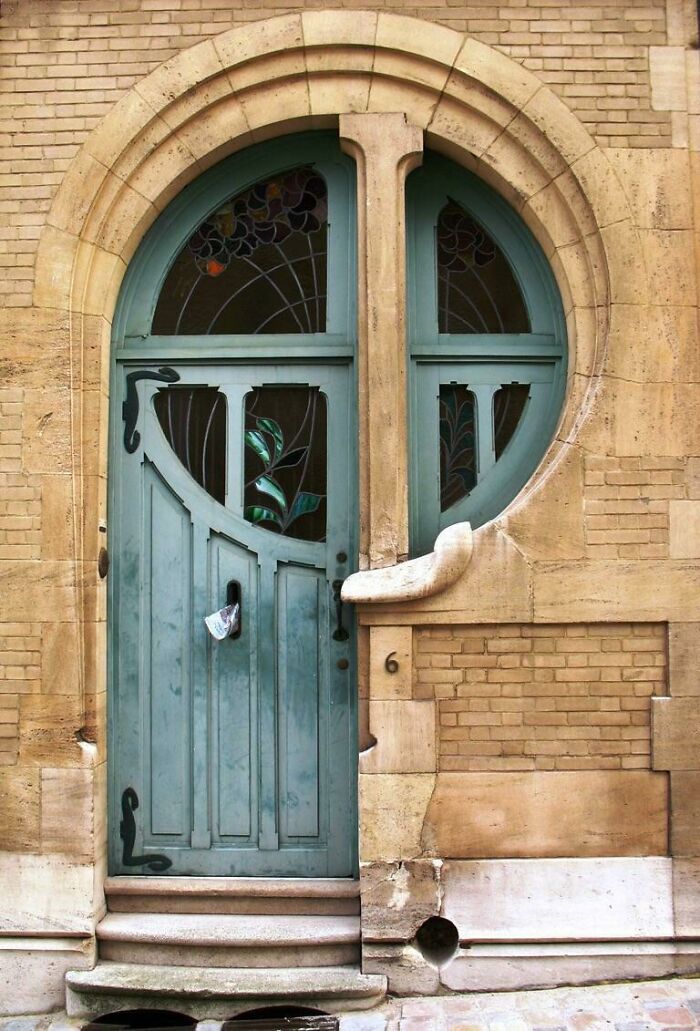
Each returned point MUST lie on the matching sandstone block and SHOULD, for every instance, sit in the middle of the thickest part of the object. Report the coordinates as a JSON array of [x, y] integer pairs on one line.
[[389, 644], [601, 183], [675, 740], [684, 529], [397, 898], [657, 181], [405, 736], [666, 350], [645, 591], [392, 811], [553, 900], [547, 814], [685, 813], [408, 973], [179, 75], [32, 973], [686, 897], [67, 812], [20, 800], [684, 659], [559, 493], [503, 75], [54, 264], [479, 596], [49, 895], [436, 42], [33, 589], [667, 74], [554, 119], [48, 728], [240, 45], [355, 28]]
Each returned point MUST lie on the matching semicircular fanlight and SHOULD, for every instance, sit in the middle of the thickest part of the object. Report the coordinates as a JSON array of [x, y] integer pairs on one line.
[[256, 265], [477, 291]]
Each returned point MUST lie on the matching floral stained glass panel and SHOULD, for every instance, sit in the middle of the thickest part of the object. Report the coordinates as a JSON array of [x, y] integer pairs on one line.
[[477, 291], [257, 265], [193, 420], [285, 478], [457, 413]]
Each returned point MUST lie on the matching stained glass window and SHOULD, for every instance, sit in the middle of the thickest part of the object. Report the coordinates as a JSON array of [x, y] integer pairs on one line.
[[508, 407], [477, 291], [256, 265], [193, 420], [285, 461], [457, 444]]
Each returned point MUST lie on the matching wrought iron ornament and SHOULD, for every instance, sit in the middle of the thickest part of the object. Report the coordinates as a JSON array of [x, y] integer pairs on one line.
[[127, 832], [130, 407]]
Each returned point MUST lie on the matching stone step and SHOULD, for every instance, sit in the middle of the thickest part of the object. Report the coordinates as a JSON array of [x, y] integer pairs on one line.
[[244, 895], [217, 994], [229, 940]]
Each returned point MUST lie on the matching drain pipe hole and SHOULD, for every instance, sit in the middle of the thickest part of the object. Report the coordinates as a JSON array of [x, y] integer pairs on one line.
[[437, 940]]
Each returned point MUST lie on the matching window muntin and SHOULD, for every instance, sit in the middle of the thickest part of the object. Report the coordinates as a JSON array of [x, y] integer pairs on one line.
[[258, 264], [486, 326]]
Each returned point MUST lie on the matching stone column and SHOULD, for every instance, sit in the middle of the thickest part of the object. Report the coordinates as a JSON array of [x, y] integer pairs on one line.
[[386, 148]]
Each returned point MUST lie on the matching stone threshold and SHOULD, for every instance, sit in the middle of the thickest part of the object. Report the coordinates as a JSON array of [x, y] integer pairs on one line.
[[218, 993]]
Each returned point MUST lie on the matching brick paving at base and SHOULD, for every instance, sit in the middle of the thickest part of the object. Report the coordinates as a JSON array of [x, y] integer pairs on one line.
[[672, 1005]]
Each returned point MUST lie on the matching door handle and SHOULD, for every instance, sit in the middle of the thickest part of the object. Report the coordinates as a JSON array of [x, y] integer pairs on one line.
[[340, 633]]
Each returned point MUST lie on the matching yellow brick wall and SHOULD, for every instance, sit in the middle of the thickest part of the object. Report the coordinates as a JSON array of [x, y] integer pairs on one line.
[[573, 697], [626, 505], [66, 63]]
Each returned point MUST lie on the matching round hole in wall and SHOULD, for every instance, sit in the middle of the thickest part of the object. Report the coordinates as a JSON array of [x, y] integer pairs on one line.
[[437, 940]]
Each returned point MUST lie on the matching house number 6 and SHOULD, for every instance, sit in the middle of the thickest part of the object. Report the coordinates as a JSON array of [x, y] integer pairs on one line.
[[390, 664]]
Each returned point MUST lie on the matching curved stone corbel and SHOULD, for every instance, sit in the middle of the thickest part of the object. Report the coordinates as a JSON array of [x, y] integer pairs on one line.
[[418, 578]]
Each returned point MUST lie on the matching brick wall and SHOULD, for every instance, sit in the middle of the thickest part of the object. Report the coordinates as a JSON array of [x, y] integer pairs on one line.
[[65, 63], [627, 504], [573, 697]]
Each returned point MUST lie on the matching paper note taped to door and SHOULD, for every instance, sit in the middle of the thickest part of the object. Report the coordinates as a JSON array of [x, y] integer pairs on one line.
[[224, 623]]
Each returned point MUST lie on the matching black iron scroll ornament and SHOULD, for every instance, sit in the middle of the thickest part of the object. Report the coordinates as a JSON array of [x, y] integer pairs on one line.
[[130, 407], [127, 832]]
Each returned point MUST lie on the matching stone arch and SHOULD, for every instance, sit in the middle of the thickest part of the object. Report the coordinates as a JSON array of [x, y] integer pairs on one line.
[[302, 71]]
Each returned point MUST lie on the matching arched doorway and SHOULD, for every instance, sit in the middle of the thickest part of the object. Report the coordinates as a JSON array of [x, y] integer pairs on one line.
[[233, 470]]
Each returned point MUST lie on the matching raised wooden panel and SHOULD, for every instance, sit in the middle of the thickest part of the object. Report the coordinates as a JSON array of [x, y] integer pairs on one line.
[[166, 653]]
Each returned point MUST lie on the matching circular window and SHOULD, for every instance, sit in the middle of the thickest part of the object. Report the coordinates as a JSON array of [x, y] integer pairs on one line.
[[487, 350]]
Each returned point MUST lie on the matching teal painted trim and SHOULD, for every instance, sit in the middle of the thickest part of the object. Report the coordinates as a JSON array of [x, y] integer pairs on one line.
[[538, 357], [170, 232], [516, 346], [246, 349]]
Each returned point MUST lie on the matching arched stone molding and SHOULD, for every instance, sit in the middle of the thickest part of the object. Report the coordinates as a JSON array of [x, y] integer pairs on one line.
[[302, 71]]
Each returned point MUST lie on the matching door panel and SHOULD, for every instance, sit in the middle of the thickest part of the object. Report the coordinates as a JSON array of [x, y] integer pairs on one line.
[[241, 753]]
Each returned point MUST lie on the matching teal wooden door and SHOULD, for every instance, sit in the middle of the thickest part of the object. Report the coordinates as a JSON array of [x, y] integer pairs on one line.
[[233, 757]]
